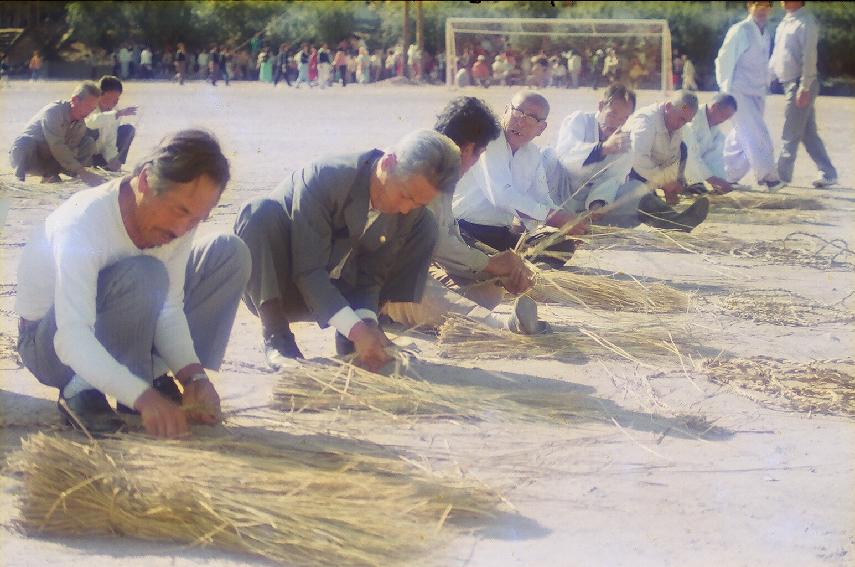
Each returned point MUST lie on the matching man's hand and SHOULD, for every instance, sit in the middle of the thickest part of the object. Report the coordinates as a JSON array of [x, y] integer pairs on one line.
[[114, 164], [129, 111], [719, 185], [802, 98], [161, 417], [559, 218], [516, 276], [202, 402], [370, 344], [594, 209], [617, 143], [90, 178], [672, 192]]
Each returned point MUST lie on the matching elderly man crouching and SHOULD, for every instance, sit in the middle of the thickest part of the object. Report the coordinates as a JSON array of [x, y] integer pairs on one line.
[[55, 140], [114, 291], [340, 237]]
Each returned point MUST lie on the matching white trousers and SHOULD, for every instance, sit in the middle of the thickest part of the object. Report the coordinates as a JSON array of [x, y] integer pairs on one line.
[[749, 145]]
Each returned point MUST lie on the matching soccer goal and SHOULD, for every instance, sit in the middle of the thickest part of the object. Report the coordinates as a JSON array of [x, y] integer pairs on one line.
[[596, 51]]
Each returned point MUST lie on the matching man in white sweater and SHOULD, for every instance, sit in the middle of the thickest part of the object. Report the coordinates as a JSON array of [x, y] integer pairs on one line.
[[113, 291], [114, 138], [705, 143]]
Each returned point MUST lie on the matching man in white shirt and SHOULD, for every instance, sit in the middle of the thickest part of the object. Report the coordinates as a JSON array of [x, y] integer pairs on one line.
[[705, 143], [146, 63], [113, 291], [588, 169], [466, 280], [340, 237], [659, 160], [509, 181], [793, 62], [114, 139], [742, 70]]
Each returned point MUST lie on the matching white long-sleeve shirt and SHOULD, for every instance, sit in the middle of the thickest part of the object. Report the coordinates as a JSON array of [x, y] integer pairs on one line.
[[742, 65], [59, 268], [501, 184], [794, 56], [107, 124], [705, 145], [655, 151], [451, 251], [579, 151]]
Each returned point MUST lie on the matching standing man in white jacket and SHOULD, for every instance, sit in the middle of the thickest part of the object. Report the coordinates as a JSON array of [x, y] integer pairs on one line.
[[741, 69], [794, 64]]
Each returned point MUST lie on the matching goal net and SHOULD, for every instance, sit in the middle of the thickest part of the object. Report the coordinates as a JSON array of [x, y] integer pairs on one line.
[[558, 52]]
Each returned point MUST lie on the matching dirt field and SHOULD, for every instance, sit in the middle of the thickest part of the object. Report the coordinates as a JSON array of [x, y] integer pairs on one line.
[[660, 465]]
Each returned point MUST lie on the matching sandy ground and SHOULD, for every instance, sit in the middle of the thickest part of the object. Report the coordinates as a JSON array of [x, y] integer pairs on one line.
[[631, 481]]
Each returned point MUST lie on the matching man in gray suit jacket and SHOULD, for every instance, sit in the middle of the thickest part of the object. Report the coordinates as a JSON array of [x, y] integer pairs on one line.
[[342, 236]]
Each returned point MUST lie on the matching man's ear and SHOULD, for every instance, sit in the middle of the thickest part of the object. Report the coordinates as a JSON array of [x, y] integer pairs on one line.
[[143, 183], [389, 162], [541, 127], [600, 105]]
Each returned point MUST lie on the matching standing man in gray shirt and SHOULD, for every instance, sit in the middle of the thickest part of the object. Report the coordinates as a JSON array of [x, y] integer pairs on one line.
[[55, 140], [793, 62]]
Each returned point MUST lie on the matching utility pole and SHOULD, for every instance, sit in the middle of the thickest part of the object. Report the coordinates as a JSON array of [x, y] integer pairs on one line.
[[405, 38], [420, 36]]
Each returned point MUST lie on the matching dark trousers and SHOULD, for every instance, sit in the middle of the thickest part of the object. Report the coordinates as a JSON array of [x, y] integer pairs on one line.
[[499, 238], [124, 138], [342, 72]]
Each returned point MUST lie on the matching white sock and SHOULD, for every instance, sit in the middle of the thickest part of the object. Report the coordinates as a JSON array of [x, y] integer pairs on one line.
[[491, 319], [75, 386]]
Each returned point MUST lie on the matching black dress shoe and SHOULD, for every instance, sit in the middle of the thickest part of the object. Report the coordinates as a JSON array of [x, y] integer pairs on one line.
[[279, 348], [90, 410], [168, 388]]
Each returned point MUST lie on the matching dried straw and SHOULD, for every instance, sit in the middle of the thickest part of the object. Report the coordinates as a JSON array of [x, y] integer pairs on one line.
[[797, 248], [601, 292], [822, 386], [334, 386], [780, 307], [461, 337], [294, 503]]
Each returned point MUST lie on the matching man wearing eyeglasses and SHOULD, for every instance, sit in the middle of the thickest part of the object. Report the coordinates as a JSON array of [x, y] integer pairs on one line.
[[509, 182]]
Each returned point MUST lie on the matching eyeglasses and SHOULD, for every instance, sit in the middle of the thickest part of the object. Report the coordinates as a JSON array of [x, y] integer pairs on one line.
[[526, 116]]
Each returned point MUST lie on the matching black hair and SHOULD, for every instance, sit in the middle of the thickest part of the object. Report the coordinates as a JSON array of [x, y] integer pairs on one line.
[[110, 83], [468, 120], [184, 156]]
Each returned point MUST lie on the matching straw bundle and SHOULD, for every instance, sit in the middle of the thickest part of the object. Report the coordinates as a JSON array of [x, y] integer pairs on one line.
[[818, 387], [339, 386], [295, 504], [461, 337], [600, 292], [763, 201], [780, 307]]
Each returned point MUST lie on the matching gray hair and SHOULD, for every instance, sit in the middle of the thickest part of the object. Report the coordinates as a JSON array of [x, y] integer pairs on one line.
[[428, 153], [533, 96], [85, 90], [684, 98], [724, 99], [183, 157]]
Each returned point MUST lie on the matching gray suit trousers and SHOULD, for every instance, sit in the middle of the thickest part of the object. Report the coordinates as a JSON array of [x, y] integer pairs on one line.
[[130, 296], [28, 155], [800, 127]]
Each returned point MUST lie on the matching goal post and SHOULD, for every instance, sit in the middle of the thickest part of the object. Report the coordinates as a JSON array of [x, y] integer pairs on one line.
[[642, 47]]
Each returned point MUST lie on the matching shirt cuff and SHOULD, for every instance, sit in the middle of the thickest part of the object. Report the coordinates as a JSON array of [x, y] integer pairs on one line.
[[344, 320], [127, 392], [364, 313]]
